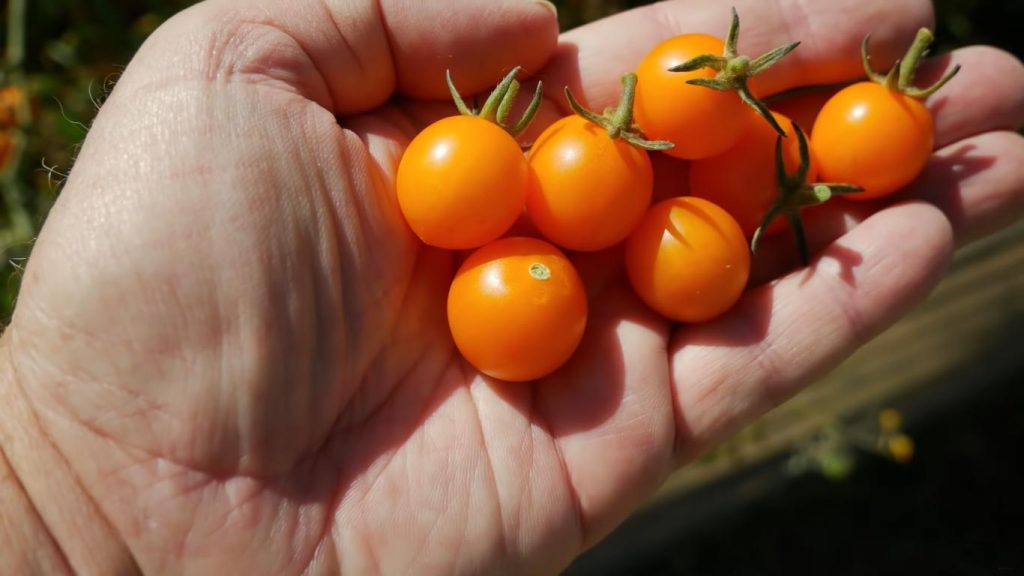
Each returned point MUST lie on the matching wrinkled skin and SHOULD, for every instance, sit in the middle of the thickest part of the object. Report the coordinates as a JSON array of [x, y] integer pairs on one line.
[[230, 355]]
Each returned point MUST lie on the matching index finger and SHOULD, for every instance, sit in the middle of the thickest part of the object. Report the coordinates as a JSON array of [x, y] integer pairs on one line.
[[591, 59]]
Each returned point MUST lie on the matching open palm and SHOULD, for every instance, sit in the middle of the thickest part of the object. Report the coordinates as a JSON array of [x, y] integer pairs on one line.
[[241, 352]]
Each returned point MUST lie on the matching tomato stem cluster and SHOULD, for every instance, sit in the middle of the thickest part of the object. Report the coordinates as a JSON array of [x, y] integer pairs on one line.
[[900, 77], [795, 193], [498, 105], [618, 121], [735, 70]]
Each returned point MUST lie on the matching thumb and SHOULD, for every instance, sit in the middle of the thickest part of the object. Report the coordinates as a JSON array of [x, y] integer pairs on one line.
[[351, 55], [479, 41]]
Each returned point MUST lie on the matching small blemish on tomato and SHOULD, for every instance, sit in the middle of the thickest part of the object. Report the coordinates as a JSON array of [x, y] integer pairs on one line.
[[540, 271]]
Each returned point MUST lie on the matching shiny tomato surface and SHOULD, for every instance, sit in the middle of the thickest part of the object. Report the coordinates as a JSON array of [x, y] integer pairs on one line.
[[588, 190], [873, 137], [462, 182], [517, 309], [688, 259]]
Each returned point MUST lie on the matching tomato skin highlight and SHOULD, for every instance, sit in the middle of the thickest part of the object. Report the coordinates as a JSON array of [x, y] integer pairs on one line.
[[874, 137], [517, 309], [462, 182], [688, 259], [588, 190], [742, 180], [701, 122]]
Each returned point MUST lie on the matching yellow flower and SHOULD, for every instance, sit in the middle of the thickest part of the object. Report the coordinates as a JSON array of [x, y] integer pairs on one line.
[[900, 448], [890, 420]]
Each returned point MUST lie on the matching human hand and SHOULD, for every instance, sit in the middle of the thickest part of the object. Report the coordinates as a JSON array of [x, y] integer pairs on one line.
[[230, 355]]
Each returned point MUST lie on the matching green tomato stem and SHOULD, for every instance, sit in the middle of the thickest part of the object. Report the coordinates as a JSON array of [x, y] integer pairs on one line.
[[797, 225], [769, 59], [716, 63], [733, 71], [530, 112], [623, 117], [892, 79], [794, 193], [460, 104], [618, 122], [580, 110], [804, 151], [865, 59], [505, 107], [494, 101], [748, 98], [781, 177], [768, 218], [732, 40], [910, 62], [712, 83], [900, 77], [499, 103]]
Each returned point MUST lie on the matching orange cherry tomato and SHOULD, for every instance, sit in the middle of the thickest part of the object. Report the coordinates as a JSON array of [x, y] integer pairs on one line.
[[701, 122], [874, 137], [742, 179], [517, 309], [688, 259], [589, 190], [462, 182]]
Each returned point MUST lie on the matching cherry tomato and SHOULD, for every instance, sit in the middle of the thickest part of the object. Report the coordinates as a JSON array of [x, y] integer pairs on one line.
[[688, 259], [874, 137], [588, 190], [701, 122], [742, 179], [517, 309], [462, 182]]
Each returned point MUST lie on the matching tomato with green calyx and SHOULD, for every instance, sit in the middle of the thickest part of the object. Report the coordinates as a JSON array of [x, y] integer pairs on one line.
[[462, 181], [688, 259], [685, 92], [517, 309], [878, 133], [743, 180], [592, 178]]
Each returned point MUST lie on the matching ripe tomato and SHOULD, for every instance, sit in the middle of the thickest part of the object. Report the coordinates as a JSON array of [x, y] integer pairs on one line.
[[588, 190], [742, 179], [462, 182], [874, 137], [688, 259], [701, 122], [517, 309]]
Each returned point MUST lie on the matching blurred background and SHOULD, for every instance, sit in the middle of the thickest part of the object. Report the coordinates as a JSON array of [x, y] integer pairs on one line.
[[905, 458]]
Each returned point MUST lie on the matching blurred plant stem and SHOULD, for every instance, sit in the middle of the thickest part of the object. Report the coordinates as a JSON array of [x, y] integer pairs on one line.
[[15, 34], [20, 227]]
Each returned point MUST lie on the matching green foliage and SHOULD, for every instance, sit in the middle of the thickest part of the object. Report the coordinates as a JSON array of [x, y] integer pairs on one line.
[[995, 22], [73, 52]]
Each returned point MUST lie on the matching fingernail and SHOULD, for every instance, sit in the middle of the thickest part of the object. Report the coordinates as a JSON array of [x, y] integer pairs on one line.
[[547, 4]]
